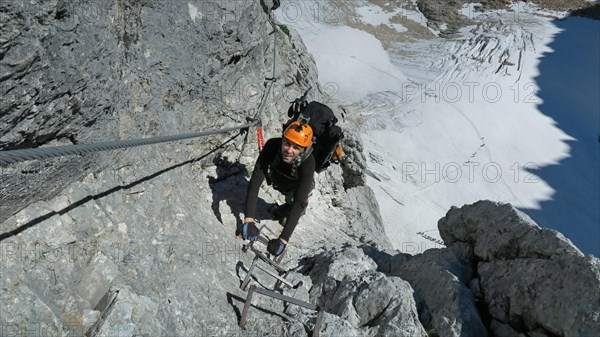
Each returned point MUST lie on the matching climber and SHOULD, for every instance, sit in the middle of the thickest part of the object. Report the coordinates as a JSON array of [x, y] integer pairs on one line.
[[288, 165]]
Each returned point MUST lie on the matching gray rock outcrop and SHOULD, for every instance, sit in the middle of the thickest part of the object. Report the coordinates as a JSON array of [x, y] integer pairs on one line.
[[444, 16], [441, 278], [369, 302], [500, 275], [84, 71], [532, 280]]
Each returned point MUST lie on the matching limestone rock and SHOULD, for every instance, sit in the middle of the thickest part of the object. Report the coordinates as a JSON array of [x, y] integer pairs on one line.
[[354, 162], [441, 278], [443, 15], [24, 312], [346, 284], [560, 296], [533, 280], [499, 231]]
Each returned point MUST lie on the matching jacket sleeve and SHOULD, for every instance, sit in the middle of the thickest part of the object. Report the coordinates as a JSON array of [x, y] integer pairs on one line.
[[252, 193], [307, 172], [266, 156]]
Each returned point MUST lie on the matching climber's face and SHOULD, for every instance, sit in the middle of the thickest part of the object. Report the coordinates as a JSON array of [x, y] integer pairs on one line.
[[290, 151]]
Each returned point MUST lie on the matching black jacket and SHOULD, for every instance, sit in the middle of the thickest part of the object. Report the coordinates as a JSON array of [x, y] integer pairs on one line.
[[283, 177]]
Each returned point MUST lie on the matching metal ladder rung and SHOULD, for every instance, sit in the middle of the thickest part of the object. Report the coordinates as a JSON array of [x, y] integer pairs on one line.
[[253, 289]]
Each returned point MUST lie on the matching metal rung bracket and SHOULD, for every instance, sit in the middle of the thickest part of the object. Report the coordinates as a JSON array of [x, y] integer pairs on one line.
[[248, 274], [279, 276], [280, 279], [287, 299]]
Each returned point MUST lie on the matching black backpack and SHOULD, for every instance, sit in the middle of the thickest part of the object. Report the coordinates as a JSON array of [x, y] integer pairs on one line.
[[327, 135]]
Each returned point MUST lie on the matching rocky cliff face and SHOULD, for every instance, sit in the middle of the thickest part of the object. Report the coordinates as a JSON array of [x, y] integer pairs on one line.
[[500, 275], [444, 16], [140, 242], [532, 280]]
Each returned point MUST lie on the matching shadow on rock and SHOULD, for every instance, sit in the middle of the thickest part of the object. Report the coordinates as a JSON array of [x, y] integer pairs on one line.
[[592, 12], [83, 201], [231, 297], [230, 186]]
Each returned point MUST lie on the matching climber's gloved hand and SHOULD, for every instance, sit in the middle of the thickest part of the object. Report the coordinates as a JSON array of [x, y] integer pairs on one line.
[[296, 108], [276, 4], [276, 247], [248, 231]]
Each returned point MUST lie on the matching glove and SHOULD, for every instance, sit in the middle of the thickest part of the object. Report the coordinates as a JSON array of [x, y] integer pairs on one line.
[[275, 247], [275, 5], [296, 108], [249, 231]]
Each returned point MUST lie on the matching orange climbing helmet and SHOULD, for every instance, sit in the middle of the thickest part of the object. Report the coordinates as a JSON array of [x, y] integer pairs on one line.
[[299, 134]]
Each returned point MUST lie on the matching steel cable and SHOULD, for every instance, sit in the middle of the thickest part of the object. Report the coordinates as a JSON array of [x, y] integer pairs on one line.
[[14, 156]]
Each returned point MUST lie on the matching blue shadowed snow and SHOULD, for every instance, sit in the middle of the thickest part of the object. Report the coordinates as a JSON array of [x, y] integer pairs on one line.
[[569, 84]]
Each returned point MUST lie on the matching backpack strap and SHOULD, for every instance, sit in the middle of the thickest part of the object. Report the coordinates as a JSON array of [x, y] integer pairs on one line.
[[272, 166], [301, 158]]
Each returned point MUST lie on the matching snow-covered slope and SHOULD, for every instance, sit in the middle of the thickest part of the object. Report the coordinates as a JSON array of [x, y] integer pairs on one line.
[[491, 114]]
